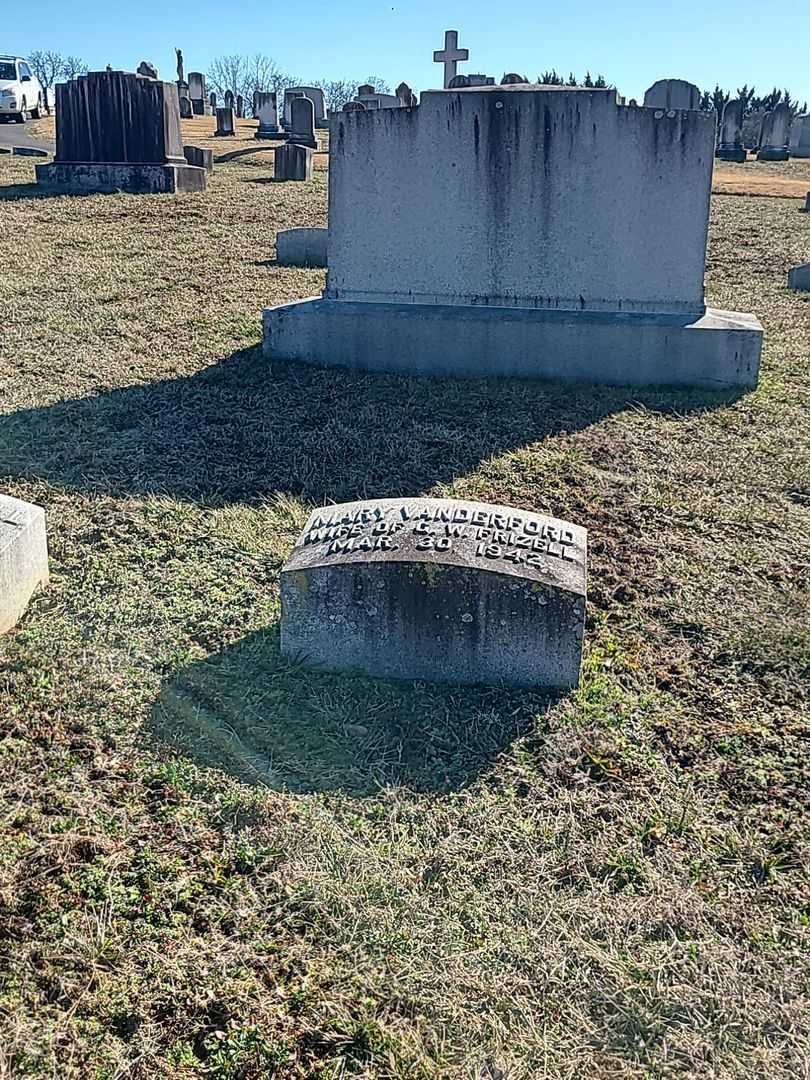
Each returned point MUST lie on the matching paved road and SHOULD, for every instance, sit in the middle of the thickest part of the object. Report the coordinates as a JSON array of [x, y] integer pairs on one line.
[[18, 135]]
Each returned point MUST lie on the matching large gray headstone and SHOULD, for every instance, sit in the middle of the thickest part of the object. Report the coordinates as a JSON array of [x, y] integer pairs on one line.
[[23, 557], [315, 95], [437, 589], [775, 135], [196, 91], [672, 94], [264, 108], [800, 137]]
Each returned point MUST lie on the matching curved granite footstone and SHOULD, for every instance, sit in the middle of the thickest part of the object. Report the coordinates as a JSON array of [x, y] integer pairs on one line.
[[23, 557], [437, 589]]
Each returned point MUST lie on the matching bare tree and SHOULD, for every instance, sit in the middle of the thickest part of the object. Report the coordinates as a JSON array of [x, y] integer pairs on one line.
[[245, 74], [379, 84], [72, 66], [47, 66], [337, 92]]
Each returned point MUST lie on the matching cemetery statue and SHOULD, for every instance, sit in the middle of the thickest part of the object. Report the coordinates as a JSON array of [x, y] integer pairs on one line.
[[147, 70], [179, 53]]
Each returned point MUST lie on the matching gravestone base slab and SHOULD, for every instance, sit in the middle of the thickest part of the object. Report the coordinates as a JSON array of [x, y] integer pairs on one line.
[[269, 133], [199, 157], [23, 557], [773, 154], [800, 152], [716, 350], [301, 247], [82, 177], [731, 153]]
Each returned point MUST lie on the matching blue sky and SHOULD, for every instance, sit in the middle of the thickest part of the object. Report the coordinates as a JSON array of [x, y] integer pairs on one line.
[[632, 43]]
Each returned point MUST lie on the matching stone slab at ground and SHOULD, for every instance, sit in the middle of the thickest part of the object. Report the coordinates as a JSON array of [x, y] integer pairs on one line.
[[293, 162], [440, 590], [200, 157], [301, 247], [511, 254], [23, 557]]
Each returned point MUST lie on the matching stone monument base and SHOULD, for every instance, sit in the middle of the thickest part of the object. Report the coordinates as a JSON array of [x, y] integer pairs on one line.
[[716, 350], [269, 133], [731, 153], [773, 153], [83, 177]]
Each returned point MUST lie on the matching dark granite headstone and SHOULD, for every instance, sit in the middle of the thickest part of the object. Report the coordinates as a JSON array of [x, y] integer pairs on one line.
[[265, 111], [513, 79], [730, 146], [229, 103], [293, 162], [202, 159], [302, 128], [196, 91], [225, 124], [118, 131], [240, 107], [186, 111], [437, 589]]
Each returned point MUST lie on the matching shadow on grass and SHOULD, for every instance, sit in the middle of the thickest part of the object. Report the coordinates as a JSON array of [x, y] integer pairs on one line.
[[242, 429], [271, 722]]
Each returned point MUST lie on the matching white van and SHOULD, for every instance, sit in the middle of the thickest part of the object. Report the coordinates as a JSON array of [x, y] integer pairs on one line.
[[21, 95]]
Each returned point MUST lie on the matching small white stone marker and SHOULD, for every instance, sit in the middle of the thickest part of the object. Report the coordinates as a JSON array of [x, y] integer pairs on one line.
[[450, 56], [23, 557]]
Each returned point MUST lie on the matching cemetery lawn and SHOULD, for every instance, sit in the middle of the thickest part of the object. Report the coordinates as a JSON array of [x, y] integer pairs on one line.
[[217, 864]]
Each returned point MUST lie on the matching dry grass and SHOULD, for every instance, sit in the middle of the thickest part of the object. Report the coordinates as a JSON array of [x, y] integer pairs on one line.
[[215, 864]]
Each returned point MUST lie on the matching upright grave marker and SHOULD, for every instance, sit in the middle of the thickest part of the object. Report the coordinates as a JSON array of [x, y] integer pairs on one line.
[[302, 125], [117, 131], [196, 91], [672, 94], [450, 56], [730, 147], [800, 137], [775, 135], [438, 589], [264, 108], [513, 255], [225, 123], [315, 95]]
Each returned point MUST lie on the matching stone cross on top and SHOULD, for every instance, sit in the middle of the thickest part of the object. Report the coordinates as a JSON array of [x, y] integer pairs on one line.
[[450, 55]]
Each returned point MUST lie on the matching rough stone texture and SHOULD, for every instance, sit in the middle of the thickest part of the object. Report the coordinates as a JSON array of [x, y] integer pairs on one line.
[[717, 350], [79, 179], [225, 122], [512, 254], [265, 108], [315, 95], [512, 211], [672, 94], [200, 158], [730, 146], [775, 135], [23, 557], [301, 247], [147, 69], [117, 117], [799, 276], [302, 126], [800, 137], [441, 590], [293, 162]]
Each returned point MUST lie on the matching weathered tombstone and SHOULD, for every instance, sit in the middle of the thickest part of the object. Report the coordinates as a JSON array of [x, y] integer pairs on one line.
[[481, 80], [513, 79], [264, 107], [354, 106], [438, 590], [196, 91], [366, 90], [186, 110], [212, 103], [147, 70], [202, 159], [459, 82], [301, 247], [225, 124], [406, 96], [293, 162], [775, 135], [730, 146], [315, 95], [23, 557], [240, 107], [370, 99], [117, 131], [800, 137], [477, 269], [302, 126], [229, 102], [799, 277], [450, 56], [672, 94]]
